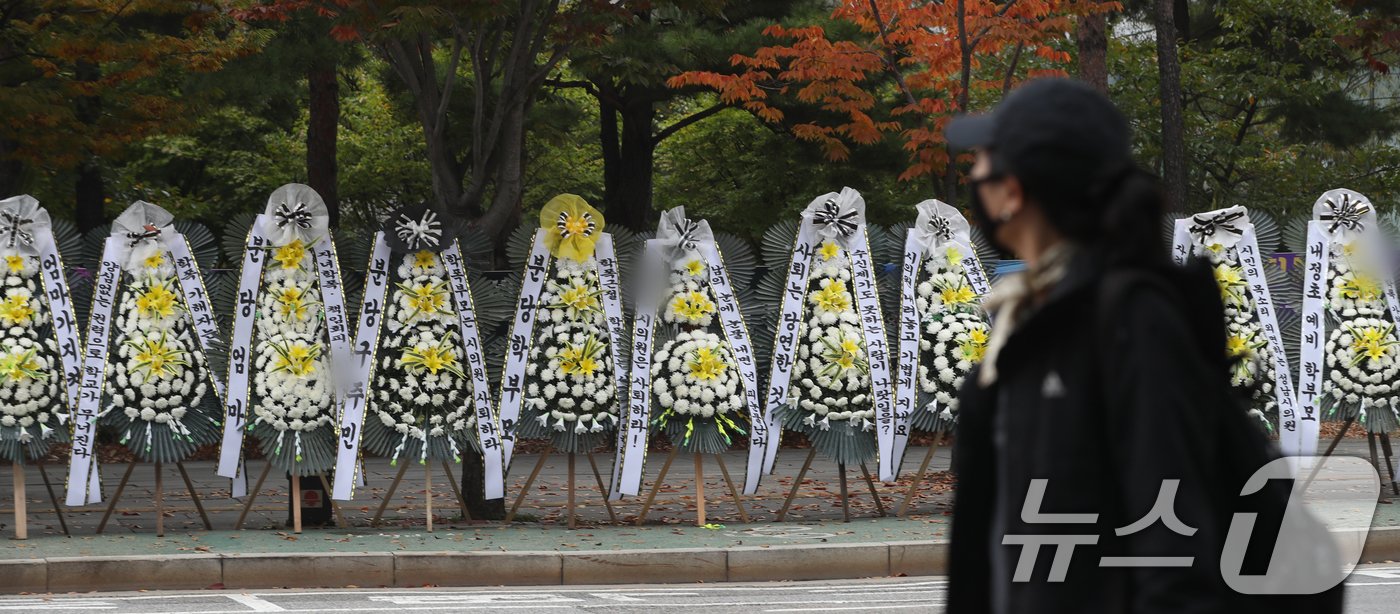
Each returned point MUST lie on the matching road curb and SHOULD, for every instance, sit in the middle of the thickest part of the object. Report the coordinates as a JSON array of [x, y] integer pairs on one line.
[[491, 568]]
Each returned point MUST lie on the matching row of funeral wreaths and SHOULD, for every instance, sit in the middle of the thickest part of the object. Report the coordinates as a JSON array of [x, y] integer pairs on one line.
[[405, 376]]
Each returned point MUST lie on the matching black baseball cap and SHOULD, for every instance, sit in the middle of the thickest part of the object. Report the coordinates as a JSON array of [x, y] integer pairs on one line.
[[1049, 131]]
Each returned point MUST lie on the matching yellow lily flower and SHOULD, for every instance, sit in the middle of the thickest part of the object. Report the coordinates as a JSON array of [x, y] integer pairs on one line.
[[15, 263], [289, 256], [829, 250], [572, 227], [156, 301], [425, 259], [692, 307], [833, 298], [15, 310], [706, 364], [581, 359]]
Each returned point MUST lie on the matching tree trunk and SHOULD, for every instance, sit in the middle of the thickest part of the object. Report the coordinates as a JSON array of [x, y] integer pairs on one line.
[[611, 143], [1092, 36], [629, 204], [504, 214], [1173, 118], [324, 120], [89, 191], [11, 171]]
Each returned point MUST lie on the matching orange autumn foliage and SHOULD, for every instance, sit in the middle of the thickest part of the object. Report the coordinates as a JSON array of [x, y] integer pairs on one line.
[[911, 65]]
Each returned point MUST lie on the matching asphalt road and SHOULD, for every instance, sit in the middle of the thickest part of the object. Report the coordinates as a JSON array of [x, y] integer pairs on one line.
[[1374, 590]]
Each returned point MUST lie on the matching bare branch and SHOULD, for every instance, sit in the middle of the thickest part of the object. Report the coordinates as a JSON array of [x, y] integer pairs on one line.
[[682, 123]]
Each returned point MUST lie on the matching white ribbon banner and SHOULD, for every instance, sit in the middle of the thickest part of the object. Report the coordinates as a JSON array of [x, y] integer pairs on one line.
[[610, 282], [65, 324], [337, 321], [197, 307], [521, 331], [1284, 392], [84, 483], [732, 320], [1291, 437], [877, 351], [240, 357], [786, 339], [487, 429], [632, 431], [352, 419]]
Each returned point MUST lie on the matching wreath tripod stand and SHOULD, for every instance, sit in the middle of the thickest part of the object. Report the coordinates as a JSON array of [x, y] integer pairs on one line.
[[159, 498], [699, 488], [296, 500], [573, 513], [427, 492], [1371, 439], [845, 495]]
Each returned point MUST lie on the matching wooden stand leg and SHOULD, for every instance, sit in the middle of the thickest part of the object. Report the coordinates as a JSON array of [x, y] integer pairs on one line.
[[651, 497], [524, 490], [699, 490], [21, 503], [573, 514], [874, 494], [335, 507], [811, 454], [456, 490], [1389, 461], [1346, 426], [53, 498], [252, 496], [738, 500], [296, 503], [845, 497], [194, 496], [918, 479], [428, 492], [160, 503], [112, 505], [602, 490], [389, 494]]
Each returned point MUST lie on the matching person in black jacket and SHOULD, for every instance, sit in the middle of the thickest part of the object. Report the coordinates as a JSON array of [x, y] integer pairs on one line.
[[1104, 390]]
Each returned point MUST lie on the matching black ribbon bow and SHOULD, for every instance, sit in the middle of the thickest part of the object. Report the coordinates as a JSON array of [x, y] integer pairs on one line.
[[940, 227], [14, 229], [288, 215], [685, 231], [1206, 226], [148, 232], [830, 215], [1347, 214]]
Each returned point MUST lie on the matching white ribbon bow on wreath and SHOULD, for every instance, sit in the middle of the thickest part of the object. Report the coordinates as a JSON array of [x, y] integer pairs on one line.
[[939, 223], [679, 236], [295, 211], [1223, 227], [22, 222], [1345, 213], [838, 216], [139, 228]]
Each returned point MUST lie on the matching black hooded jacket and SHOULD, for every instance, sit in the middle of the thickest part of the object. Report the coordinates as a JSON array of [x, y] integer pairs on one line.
[[1114, 383]]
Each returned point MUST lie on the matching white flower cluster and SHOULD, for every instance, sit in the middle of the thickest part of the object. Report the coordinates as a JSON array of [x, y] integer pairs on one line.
[[573, 295], [291, 376], [421, 389], [1351, 290], [1251, 360], [154, 376], [571, 379], [953, 342], [1363, 364], [943, 283], [695, 375], [831, 371], [31, 381]]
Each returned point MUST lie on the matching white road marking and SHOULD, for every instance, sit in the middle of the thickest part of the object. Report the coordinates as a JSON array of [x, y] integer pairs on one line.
[[256, 604], [488, 598], [634, 596], [861, 608]]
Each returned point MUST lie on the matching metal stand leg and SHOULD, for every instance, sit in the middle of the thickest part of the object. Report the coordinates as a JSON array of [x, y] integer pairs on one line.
[[456, 490], [389, 494], [602, 490], [194, 496], [646, 505], [524, 490], [796, 483], [874, 494], [21, 503], [112, 506], [1389, 461], [53, 498], [918, 479], [252, 496], [573, 514], [738, 500]]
